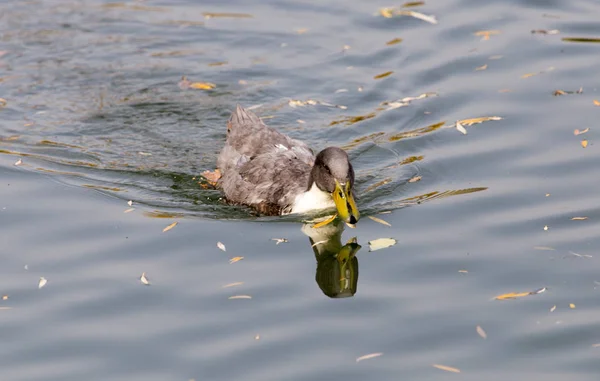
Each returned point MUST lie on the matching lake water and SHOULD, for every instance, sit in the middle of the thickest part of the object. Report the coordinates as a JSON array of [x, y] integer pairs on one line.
[[94, 114]]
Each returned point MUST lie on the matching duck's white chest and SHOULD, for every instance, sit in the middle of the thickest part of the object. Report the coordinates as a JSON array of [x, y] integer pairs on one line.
[[314, 199]]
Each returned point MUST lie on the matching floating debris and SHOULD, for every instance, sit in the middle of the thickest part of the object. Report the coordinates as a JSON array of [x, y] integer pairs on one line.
[[577, 132], [170, 227], [19, 162], [279, 240], [233, 284], [311, 102], [4, 297], [546, 227], [379, 220], [235, 259], [240, 297], [580, 255], [596, 102], [383, 75], [446, 368], [144, 279], [584, 143], [130, 203], [578, 218], [129, 210], [415, 179], [543, 248], [221, 246], [481, 332], [202, 85], [544, 31], [515, 295], [257, 337], [369, 356], [553, 308], [210, 15], [485, 34], [527, 75], [482, 67], [471, 121], [406, 101], [381, 243], [582, 39], [460, 128], [572, 306], [394, 41], [566, 92], [42, 282], [3, 102], [463, 271]]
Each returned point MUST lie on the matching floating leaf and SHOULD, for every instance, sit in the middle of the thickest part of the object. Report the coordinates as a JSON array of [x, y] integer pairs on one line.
[[257, 337], [413, 4], [572, 306], [19, 162], [578, 218], [515, 295], [460, 128], [553, 308], [485, 34], [383, 75], [428, 18], [240, 297], [544, 31], [369, 356], [279, 240], [221, 246], [4, 297], [394, 41], [482, 67], [380, 221], [546, 227], [447, 368], [170, 227], [235, 259], [3, 102], [327, 221], [415, 179], [130, 203], [42, 282], [596, 103], [481, 332], [202, 85], [577, 132], [129, 210], [381, 243], [471, 121], [582, 39], [584, 143], [463, 271], [144, 279]]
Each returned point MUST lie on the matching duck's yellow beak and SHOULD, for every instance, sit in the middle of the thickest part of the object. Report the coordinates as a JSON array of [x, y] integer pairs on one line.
[[344, 202]]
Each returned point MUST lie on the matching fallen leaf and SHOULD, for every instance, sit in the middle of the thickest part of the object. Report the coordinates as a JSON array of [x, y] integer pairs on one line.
[[221, 246], [483, 67], [463, 271], [202, 85], [19, 162], [235, 259], [380, 221], [42, 282], [460, 128], [415, 179], [413, 4], [485, 34], [369, 356], [427, 18], [512, 295], [279, 240], [170, 227], [546, 227], [481, 332], [581, 39], [572, 306], [218, 63], [383, 75], [596, 103], [381, 243], [144, 279], [577, 132], [233, 284], [447, 368], [130, 203], [4, 297], [584, 143], [129, 210], [578, 218], [559, 92], [553, 308], [240, 297], [394, 41], [3, 102]]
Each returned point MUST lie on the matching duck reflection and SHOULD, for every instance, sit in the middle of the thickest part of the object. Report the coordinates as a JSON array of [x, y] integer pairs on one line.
[[337, 264]]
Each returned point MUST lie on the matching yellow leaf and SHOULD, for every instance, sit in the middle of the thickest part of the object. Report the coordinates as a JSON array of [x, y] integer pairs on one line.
[[572, 306], [415, 179], [170, 227], [447, 368], [383, 75], [596, 103], [202, 85], [387, 12], [235, 259], [380, 221], [584, 143], [578, 218], [528, 75], [394, 41], [512, 295]]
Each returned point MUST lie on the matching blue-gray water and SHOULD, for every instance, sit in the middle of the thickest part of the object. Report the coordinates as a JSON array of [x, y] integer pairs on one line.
[[95, 114]]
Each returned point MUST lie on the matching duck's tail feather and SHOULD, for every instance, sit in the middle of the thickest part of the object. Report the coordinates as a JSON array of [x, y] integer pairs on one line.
[[241, 117]]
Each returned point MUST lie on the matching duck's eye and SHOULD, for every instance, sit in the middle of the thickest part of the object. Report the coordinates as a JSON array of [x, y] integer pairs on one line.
[[327, 169]]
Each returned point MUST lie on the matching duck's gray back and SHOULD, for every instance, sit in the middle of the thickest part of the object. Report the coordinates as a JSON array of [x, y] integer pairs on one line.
[[261, 167]]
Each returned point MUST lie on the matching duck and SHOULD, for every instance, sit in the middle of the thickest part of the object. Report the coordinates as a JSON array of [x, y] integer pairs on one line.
[[274, 174]]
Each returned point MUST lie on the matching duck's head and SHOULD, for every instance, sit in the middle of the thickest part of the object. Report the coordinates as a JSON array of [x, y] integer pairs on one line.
[[333, 173]]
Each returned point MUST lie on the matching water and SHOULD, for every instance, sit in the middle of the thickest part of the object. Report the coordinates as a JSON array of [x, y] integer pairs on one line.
[[94, 112]]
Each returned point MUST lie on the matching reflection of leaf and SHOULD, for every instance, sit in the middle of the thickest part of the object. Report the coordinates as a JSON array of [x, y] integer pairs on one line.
[[417, 132], [381, 243], [378, 184], [350, 120], [581, 39]]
